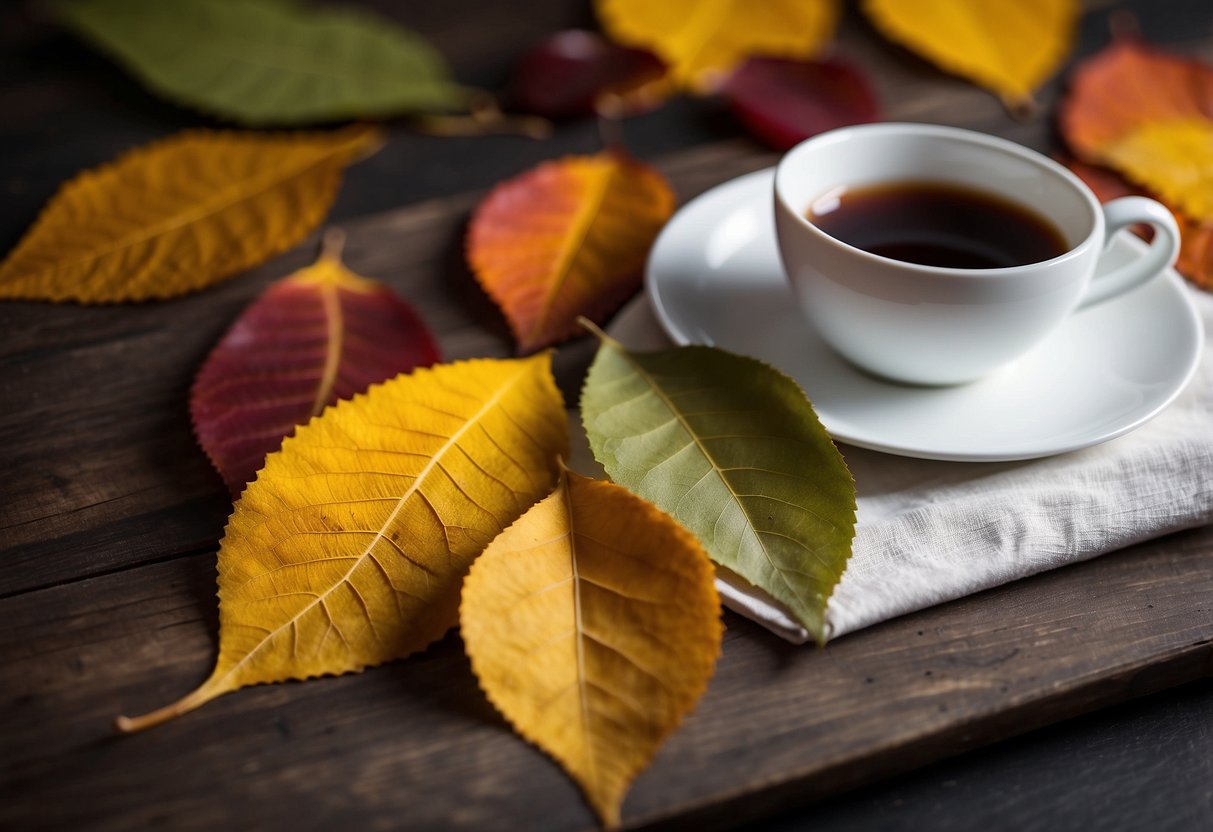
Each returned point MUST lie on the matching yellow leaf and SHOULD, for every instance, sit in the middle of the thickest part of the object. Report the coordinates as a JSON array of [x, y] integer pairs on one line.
[[180, 214], [593, 625], [703, 39], [1174, 158], [1008, 46], [349, 548]]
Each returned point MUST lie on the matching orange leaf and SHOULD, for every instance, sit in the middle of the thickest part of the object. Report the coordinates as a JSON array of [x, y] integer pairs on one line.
[[593, 625], [1148, 115], [319, 335], [1196, 239], [1008, 46], [180, 214], [567, 238]]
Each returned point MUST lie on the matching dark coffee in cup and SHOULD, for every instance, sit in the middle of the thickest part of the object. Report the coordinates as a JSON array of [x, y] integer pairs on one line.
[[937, 224]]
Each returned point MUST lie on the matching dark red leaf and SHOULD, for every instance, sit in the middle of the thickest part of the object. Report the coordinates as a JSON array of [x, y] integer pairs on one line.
[[319, 335], [783, 102], [571, 73]]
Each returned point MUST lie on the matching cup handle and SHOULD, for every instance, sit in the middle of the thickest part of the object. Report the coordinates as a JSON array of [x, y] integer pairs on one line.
[[1122, 213]]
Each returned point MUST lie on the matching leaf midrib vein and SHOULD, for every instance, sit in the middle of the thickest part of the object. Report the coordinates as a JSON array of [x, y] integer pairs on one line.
[[711, 461], [369, 550], [579, 628], [334, 325], [582, 223], [255, 187]]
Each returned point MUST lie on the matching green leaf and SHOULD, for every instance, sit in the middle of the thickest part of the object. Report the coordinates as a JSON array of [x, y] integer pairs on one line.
[[268, 61], [733, 450]]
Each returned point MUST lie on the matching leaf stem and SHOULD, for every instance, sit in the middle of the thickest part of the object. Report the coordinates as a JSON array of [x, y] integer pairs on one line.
[[484, 118], [610, 132], [332, 244], [131, 725], [1124, 25], [595, 330]]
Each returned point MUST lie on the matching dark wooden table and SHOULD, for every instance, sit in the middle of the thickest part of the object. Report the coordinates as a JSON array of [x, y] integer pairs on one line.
[[109, 518]]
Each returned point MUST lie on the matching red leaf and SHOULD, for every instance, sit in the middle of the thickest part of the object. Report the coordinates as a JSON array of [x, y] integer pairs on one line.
[[571, 73], [783, 102], [319, 335]]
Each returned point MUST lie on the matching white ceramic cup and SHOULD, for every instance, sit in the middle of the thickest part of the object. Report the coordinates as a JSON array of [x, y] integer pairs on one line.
[[933, 325]]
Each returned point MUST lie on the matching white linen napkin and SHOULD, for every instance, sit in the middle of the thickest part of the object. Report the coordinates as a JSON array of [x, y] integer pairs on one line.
[[930, 532]]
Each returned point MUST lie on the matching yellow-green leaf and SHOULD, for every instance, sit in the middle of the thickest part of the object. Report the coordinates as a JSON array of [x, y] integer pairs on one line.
[[702, 40], [180, 214], [593, 625], [350, 546], [1008, 46], [263, 62], [733, 450]]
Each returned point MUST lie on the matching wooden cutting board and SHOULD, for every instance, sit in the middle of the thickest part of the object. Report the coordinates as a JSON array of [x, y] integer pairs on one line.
[[108, 528]]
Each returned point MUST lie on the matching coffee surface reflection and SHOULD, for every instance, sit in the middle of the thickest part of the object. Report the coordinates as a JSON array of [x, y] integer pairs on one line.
[[936, 224]]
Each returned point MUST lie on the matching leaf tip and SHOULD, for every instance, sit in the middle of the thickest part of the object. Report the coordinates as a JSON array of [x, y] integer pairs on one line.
[[1022, 108]]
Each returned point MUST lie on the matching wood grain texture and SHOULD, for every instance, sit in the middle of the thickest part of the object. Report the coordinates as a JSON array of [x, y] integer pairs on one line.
[[106, 389], [109, 517], [416, 740]]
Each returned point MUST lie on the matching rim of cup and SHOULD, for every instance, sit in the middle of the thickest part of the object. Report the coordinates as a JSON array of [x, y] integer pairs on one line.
[[993, 143]]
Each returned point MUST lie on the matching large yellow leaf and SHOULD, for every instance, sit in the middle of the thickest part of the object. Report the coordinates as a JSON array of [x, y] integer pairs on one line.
[[180, 215], [1008, 46], [349, 548], [703, 39], [593, 625]]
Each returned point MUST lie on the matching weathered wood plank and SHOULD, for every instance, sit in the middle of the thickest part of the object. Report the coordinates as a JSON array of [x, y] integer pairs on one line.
[[415, 743], [102, 479], [102, 469]]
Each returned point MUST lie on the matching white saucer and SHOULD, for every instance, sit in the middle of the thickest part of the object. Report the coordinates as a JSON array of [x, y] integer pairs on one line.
[[714, 277]]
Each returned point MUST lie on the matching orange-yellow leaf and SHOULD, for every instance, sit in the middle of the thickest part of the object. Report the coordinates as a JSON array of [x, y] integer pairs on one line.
[[1195, 260], [350, 546], [1174, 159], [1148, 115], [567, 239], [701, 40], [593, 625], [1008, 46], [180, 214]]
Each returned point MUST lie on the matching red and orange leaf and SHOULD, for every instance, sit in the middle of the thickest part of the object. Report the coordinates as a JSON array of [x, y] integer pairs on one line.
[[1148, 115], [1127, 86], [567, 239], [783, 102], [1195, 260], [317, 336]]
